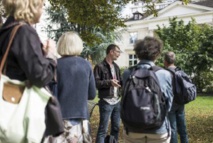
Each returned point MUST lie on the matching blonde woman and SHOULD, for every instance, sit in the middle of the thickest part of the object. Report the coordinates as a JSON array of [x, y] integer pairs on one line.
[[76, 82], [28, 59]]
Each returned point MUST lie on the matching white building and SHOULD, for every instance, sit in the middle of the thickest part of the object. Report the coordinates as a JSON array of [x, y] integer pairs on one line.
[[141, 25]]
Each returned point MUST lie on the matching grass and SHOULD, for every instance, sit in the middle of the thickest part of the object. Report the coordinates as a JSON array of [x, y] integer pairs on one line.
[[199, 117]]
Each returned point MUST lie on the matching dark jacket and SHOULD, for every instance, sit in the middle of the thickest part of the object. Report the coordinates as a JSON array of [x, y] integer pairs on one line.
[[103, 77], [76, 85], [25, 59]]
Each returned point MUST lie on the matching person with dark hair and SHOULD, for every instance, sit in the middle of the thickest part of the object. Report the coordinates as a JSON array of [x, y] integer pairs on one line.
[[147, 50], [108, 81], [176, 115]]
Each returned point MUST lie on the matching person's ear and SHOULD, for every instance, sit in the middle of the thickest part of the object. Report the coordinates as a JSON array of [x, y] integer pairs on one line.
[[111, 51]]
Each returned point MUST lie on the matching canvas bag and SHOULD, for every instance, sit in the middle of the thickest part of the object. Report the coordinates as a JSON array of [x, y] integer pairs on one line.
[[183, 89], [22, 115], [143, 104]]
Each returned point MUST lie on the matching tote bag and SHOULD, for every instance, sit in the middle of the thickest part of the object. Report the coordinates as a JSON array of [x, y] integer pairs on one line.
[[22, 117], [23, 122]]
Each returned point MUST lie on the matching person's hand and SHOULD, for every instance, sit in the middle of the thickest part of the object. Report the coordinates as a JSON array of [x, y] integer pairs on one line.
[[49, 49], [49, 46], [115, 83]]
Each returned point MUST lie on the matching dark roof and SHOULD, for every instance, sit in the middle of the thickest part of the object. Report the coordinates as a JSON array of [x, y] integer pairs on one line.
[[208, 3], [137, 12], [144, 15]]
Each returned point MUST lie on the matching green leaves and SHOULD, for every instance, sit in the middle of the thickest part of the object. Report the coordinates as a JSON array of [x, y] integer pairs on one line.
[[193, 46], [92, 14], [88, 15]]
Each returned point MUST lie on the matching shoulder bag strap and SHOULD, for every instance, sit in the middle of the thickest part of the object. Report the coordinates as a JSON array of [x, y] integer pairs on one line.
[[8, 47]]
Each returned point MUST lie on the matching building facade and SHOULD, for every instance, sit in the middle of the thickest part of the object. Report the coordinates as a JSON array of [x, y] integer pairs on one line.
[[141, 25]]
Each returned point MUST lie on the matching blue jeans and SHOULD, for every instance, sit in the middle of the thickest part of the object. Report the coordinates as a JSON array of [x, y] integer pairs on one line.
[[178, 124], [108, 112]]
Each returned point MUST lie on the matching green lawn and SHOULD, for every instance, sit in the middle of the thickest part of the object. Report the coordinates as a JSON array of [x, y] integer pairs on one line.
[[199, 116]]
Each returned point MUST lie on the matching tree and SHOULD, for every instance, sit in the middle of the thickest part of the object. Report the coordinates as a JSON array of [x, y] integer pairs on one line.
[[58, 23], [95, 51], [193, 47], [87, 15], [94, 20], [182, 39], [202, 59]]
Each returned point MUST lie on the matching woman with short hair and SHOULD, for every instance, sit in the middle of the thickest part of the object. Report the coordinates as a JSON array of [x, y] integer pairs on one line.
[[76, 82]]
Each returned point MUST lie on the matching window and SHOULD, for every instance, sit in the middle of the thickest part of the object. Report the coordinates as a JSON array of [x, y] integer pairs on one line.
[[136, 16], [132, 60], [133, 37]]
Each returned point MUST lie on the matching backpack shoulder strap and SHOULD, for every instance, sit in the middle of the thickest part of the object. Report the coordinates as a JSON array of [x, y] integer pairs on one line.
[[171, 70], [133, 69], [156, 68]]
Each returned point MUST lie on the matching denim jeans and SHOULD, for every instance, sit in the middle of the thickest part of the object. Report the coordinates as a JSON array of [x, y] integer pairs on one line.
[[108, 112], [178, 124]]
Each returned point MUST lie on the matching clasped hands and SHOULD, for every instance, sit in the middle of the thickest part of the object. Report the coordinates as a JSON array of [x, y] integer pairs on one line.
[[115, 83]]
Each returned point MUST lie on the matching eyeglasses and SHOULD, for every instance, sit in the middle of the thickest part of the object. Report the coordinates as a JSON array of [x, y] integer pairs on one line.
[[117, 51]]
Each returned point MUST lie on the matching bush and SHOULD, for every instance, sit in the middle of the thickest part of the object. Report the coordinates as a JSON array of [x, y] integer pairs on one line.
[[123, 69], [204, 82]]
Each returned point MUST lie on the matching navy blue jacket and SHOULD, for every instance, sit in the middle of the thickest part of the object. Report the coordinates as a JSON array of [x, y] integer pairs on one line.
[[76, 85]]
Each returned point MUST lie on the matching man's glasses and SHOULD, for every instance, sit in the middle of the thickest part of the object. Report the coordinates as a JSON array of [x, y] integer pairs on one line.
[[117, 51]]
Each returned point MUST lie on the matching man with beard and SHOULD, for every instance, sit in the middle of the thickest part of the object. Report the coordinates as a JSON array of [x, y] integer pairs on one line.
[[108, 81]]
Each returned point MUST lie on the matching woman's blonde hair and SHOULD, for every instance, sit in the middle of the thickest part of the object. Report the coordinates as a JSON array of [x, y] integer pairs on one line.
[[26, 10], [70, 44]]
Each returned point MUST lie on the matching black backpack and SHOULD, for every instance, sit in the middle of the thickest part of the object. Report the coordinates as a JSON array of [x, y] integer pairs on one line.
[[143, 105], [183, 89]]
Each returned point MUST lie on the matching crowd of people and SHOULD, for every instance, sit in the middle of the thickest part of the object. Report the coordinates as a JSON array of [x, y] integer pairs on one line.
[[108, 82], [31, 60]]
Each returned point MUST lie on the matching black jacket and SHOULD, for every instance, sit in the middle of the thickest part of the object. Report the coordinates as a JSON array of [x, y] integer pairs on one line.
[[25, 60], [103, 77]]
